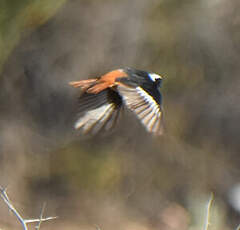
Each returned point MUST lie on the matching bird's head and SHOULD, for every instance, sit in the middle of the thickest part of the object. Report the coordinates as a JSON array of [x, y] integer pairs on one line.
[[156, 78]]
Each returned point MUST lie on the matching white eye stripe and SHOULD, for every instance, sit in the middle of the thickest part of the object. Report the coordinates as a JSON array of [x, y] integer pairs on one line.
[[154, 76]]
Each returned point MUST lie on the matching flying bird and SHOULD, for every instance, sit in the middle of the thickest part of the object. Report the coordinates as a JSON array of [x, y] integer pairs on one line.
[[103, 98]]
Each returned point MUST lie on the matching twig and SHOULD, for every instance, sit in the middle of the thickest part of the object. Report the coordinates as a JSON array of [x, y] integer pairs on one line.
[[5, 198], [42, 220], [23, 221], [209, 205]]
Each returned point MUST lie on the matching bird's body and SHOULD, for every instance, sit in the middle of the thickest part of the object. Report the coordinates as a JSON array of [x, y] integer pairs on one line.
[[103, 98]]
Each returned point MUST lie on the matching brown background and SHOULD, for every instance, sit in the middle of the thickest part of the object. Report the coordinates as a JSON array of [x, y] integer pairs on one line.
[[126, 180]]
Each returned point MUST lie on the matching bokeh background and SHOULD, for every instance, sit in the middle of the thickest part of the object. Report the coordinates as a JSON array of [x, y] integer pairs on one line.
[[126, 180]]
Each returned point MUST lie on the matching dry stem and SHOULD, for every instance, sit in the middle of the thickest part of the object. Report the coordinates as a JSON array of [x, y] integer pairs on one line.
[[23, 221], [209, 205]]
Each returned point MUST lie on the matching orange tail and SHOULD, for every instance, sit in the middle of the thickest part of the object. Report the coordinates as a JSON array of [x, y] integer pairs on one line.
[[90, 85], [98, 87], [84, 84]]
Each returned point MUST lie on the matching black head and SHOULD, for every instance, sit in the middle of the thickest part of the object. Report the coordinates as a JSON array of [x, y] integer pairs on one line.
[[144, 75], [156, 78]]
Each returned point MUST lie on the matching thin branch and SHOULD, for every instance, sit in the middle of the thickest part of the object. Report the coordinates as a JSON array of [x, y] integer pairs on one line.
[[23, 221], [42, 220], [5, 198], [209, 205], [41, 217]]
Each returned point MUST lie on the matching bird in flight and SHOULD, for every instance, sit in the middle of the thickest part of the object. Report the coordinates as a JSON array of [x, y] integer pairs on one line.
[[103, 98]]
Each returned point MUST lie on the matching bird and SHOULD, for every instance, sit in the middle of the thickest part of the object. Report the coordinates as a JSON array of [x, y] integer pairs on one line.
[[103, 98]]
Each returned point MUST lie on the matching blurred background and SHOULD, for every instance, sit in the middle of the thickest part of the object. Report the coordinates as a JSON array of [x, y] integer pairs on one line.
[[126, 180]]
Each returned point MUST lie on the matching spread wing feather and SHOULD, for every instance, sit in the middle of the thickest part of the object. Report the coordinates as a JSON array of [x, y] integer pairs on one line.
[[98, 111], [146, 108]]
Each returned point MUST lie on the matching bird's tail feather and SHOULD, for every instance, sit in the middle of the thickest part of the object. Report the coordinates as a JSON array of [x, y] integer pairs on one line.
[[93, 86], [84, 84]]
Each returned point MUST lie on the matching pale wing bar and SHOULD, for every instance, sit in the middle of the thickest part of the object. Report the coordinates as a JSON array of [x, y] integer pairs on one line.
[[144, 106]]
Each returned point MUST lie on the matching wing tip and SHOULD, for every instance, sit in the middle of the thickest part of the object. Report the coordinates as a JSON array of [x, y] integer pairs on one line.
[[94, 121]]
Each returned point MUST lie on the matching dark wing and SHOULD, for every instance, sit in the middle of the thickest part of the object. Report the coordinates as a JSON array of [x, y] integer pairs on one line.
[[145, 106], [98, 111]]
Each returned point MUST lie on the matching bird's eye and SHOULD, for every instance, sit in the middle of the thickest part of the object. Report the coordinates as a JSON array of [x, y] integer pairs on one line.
[[158, 82]]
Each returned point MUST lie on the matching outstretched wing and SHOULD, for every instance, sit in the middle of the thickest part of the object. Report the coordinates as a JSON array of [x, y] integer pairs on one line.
[[98, 111], [147, 107]]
